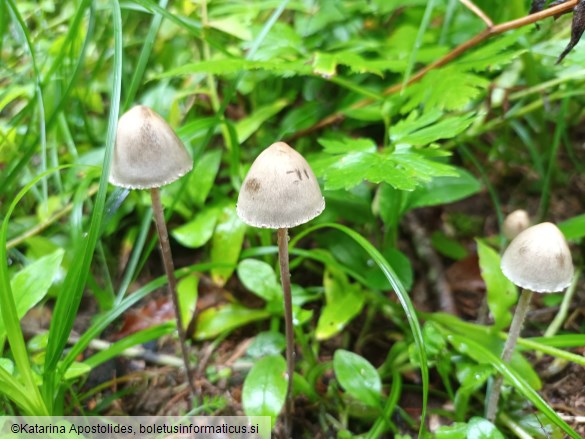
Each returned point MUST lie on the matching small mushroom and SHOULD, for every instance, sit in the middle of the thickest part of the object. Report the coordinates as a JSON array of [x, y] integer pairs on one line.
[[147, 155], [515, 222], [280, 191], [537, 260]]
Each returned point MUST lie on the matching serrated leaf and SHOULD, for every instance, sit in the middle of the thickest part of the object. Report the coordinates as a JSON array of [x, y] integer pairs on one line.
[[230, 66], [358, 377], [259, 277], [344, 302], [347, 145], [494, 53], [404, 168], [324, 64], [196, 233], [265, 387], [32, 283], [215, 321], [428, 128], [501, 293], [226, 243], [445, 89]]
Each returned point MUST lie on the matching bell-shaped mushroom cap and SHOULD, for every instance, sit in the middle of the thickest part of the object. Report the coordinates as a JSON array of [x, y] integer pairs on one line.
[[148, 153], [280, 190], [515, 223], [538, 259]]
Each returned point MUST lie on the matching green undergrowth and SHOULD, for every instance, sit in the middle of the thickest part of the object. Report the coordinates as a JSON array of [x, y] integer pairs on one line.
[[497, 123]]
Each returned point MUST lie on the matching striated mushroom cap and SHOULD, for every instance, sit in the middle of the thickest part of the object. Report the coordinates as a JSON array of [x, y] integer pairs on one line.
[[538, 259], [148, 153], [280, 190], [515, 223]]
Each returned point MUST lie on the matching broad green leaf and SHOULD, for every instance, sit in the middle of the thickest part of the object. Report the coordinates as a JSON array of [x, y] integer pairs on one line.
[[358, 377], [573, 228], [196, 233], [7, 365], [248, 126], [31, 284], [448, 246], [266, 343], [264, 390], [203, 176], [226, 243], [456, 431], [480, 428], [259, 277], [483, 355], [501, 293], [187, 293], [215, 321], [344, 302], [324, 64], [443, 190], [428, 128]]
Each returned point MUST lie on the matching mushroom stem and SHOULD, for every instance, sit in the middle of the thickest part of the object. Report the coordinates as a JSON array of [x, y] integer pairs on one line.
[[513, 334], [167, 257], [288, 322]]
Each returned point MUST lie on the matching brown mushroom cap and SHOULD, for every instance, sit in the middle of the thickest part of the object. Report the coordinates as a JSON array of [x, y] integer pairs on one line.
[[515, 223], [538, 259], [280, 190], [148, 153]]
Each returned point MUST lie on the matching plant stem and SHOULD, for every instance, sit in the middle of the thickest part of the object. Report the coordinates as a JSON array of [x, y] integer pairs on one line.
[[288, 323], [167, 258], [515, 328]]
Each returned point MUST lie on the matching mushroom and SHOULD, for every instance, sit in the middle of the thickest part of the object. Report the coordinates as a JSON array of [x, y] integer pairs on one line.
[[538, 260], [515, 223], [279, 192], [147, 155]]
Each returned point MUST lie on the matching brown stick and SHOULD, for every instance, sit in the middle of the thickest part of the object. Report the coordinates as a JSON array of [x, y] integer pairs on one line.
[[456, 52], [288, 324], [167, 257]]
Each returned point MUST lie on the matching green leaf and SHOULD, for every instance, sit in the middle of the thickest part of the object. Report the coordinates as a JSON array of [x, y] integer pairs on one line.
[[218, 67], [248, 126], [266, 343], [444, 190], [76, 370], [187, 293], [358, 377], [264, 390], [232, 25], [215, 321], [31, 284], [344, 302], [422, 130], [226, 243], [196, 233], [483, 355], [501, 293], [404, 168], [480, 428], [203, 176], [449, 89], [7, 365], [260, 278], [573, 228], [448, 246]]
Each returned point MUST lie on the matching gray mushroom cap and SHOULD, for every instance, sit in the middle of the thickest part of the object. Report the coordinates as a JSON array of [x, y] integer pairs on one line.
[[538, 259], [280, 190], [147, 153], [515, 223]]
